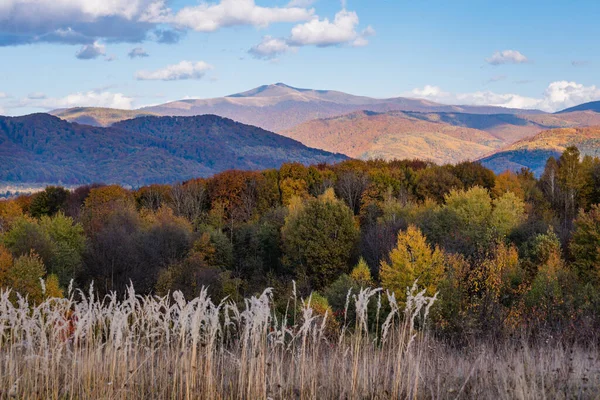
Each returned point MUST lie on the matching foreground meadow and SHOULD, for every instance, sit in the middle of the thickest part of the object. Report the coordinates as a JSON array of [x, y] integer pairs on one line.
[[140, 347]]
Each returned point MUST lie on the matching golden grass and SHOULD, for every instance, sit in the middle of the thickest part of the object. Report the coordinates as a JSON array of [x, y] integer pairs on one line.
[[149, 347]]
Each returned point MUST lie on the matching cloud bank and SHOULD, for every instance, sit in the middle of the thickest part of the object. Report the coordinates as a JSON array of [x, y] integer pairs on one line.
[[181, 71], [208, 17], [92, 98], [557, 96], [316, 32], [84, 22]]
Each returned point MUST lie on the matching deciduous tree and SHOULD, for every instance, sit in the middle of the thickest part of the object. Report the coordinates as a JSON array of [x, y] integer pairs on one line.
[[412, 259], [319, 239]]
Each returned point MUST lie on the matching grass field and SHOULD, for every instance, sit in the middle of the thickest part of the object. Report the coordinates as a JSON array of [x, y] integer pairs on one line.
[[136, 347]]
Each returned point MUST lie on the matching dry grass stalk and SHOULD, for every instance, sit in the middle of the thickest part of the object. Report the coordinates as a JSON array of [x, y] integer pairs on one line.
[[142, 347]]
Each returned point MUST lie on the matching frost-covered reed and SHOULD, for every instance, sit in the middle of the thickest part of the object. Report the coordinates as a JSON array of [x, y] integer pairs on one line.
[[141, 347]]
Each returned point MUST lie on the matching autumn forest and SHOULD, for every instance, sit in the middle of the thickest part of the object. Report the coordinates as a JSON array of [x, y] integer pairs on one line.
[[507, 254]]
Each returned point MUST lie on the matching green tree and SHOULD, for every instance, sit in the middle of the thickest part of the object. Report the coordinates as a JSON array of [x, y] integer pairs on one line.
[[463, 225], [25, 275], [585, 244], [57, 240], [319, 239], [26, 235], [68, 246], [508, 213], [571, 179], [48, 202]]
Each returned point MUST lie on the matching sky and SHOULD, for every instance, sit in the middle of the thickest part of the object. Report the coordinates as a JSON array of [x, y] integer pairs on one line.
[[134, 53]]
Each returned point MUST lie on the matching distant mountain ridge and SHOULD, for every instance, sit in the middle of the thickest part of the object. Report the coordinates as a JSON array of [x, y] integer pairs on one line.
[[591, 106], [279, 107], [533, 152], [44, 148], [439, 137], [98, 116]]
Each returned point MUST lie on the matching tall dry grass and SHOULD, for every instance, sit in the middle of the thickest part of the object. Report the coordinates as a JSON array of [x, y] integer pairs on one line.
[[166, 347]]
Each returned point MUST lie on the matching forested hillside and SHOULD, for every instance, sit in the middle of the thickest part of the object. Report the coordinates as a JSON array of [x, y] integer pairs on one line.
[[506, 252], [442, 137], [532, 153], [43, 148]]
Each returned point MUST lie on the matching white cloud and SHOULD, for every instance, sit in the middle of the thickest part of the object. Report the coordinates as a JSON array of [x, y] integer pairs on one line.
[[323, 32], [317, 32], [91, 51], [110, 58], [91, 98], [76, 21], [209, 17], [430, 92], [557, 96], [563, 94], [138, 52], [30, 10], [183, 70], [3, 95], [269, 48], [86, 21], [507, 57], [360, 42]]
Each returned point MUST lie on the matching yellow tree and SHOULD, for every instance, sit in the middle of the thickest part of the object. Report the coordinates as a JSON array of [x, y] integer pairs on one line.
[[412, 259], [507, 182], [10, 211], [362, 274], [6, 262]]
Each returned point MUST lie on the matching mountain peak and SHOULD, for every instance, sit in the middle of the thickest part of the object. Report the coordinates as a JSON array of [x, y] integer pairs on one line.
[[272, 90]]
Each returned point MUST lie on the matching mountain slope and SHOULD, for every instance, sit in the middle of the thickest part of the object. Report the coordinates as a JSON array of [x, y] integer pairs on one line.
[[533, 152], [43, 148], [97, 116], [591, 106], [441, 137], [280, 107], [395, 135]]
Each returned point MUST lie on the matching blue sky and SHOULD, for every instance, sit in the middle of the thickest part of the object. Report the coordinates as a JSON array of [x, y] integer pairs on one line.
[[527, 53]]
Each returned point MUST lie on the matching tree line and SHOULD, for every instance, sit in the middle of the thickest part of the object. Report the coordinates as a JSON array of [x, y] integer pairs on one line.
[[506, 253]]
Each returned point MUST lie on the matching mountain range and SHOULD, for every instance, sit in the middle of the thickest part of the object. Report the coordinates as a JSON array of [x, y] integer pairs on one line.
[[331, 121], [440, 137], [46, 149], [278, 107]]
